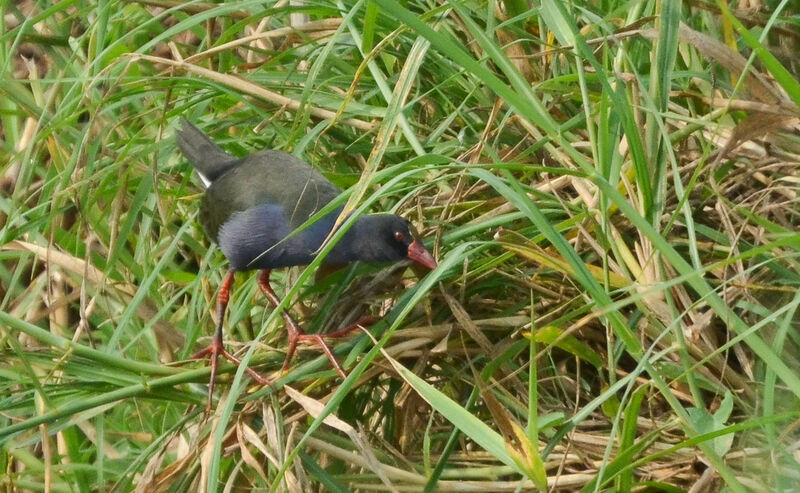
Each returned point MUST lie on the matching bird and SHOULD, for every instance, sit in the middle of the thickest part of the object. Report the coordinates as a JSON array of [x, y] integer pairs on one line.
[[252, 208]]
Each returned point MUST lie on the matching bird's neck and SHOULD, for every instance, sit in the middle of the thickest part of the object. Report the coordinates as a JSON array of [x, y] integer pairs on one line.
[[355, 244]]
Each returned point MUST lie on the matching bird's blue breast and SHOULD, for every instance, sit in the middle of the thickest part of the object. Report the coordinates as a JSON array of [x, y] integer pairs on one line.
[[261, 238]]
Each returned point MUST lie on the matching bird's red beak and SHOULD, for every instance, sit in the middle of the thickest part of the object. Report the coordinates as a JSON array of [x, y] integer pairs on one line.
[[420, 255]]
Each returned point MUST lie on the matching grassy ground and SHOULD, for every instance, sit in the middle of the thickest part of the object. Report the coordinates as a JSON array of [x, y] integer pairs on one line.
[[611, 189]]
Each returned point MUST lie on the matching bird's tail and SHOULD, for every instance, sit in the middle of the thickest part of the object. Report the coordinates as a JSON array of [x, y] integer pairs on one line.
[[208, 158]]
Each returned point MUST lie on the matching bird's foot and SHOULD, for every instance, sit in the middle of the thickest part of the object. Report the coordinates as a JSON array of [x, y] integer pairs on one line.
[[213, 351], [297, 335]]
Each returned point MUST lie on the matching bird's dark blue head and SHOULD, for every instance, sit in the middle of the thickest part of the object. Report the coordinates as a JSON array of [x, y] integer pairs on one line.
[[381, 238]]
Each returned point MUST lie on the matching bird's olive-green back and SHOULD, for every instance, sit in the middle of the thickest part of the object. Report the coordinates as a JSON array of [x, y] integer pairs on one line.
[[266, 177]]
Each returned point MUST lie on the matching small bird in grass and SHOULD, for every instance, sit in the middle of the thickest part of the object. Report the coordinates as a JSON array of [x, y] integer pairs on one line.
[[251, 209]]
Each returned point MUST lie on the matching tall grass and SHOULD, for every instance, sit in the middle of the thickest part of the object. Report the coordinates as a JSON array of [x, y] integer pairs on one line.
[[610, 188]]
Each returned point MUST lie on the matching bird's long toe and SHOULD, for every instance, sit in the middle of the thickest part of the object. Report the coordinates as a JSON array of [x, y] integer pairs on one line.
[[297, 336], [213, 352]]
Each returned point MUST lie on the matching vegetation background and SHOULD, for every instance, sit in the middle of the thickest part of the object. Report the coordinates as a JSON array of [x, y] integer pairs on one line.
[[611, 188]]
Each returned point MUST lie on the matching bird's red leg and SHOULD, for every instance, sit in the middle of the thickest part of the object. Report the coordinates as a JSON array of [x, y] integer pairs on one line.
[[216, 348], [296, 333]]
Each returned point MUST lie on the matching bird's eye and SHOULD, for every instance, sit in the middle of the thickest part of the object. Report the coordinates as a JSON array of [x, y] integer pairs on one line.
[[400, 237]]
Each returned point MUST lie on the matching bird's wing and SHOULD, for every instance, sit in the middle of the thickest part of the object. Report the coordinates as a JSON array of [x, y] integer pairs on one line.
[[267, 177]]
